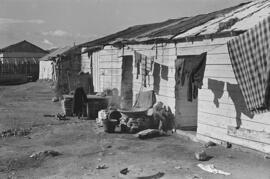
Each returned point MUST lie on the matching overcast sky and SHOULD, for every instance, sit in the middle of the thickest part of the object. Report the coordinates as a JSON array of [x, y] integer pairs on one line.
[[56, 23]]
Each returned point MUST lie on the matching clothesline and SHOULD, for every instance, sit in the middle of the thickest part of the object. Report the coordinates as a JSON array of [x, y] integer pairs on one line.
[[155, 60]]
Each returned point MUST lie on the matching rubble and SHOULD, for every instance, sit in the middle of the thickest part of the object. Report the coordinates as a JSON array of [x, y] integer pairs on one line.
[[210, 144], [149, 133], [61, 117], [124, 171], [16, 132], [202, 156], [55, 99], [43, 154], [102, 167], [155, 176]]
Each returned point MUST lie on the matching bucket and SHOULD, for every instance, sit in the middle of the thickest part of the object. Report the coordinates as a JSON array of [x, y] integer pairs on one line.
[[109, 125]]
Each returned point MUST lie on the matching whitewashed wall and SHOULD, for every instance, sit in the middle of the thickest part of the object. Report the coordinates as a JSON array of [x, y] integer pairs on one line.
[[217, 120], [107, 70], [45, 70]]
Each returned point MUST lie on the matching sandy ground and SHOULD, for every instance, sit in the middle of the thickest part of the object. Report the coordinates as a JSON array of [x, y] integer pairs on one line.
[[84, 146]]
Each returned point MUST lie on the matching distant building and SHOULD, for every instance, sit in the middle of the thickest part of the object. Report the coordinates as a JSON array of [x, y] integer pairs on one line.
[[20, 62]]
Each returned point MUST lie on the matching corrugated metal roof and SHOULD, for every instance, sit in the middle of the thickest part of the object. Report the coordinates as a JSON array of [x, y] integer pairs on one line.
[[246, 17], [57, 52], [235, 19]]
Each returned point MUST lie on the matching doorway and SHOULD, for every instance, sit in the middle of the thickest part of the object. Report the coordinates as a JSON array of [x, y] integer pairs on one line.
[[127, 82], [186, 106]]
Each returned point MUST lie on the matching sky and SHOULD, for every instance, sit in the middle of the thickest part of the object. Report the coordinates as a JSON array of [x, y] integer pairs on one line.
[[58, 23]]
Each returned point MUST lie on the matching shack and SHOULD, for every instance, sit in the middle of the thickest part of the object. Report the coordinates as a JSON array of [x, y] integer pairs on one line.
[[20, 62], [62, 67], [147, 57]]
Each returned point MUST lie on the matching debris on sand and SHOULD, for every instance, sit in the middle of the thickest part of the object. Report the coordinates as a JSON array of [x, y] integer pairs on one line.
[[16, 132], [202, 156], [55, 99], [211, 168], [49, 115], [228, 145], [102, 167], [45, 153], [155, 176], [61, 117], [178, 167], [124, 171], [149, 133], [267, 157], [210, 144]]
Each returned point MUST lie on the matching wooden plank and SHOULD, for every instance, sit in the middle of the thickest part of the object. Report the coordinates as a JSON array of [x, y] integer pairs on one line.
[[111, 71], [218, 58], [258, 146], [230, 111], [110, 64], [218, 74], [221, 134], [206, 42], [224, 121], [260, 136]]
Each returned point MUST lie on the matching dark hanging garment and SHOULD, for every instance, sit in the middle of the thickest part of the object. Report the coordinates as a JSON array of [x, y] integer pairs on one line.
[[138, 59], [144, 72], [164, 72], [196, 77], [179, 65], [156, 75], [79, 101], [191, 68]]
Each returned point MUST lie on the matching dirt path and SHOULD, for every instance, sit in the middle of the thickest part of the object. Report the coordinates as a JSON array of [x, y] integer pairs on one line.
[[84, 146]]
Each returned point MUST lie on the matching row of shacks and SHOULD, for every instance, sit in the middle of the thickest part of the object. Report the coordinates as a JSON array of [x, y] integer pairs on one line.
[[175, 58], [19, 63]]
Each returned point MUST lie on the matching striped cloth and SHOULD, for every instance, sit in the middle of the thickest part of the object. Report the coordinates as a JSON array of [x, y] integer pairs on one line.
[[250, 58]]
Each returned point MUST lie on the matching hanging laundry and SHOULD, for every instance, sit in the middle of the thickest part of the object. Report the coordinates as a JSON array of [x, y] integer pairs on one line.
[[144, 70], [179, 66], [164, 72], [144, 67], [152, 59], [250, 57], [138, 59], [156, 75], [148, 64], [191, 67]]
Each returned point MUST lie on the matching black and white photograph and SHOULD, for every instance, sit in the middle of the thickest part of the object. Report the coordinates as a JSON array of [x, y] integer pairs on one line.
[[134, 89]]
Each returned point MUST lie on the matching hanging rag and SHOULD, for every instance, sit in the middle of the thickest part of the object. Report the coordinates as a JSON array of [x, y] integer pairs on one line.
[[152, 60], [149, 63], [156, 75], [164, 72], [138, 59], [250, 58], [191, 68], [143, 70]]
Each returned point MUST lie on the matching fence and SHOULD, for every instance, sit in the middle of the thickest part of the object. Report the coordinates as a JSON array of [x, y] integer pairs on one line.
[[17, 71]]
